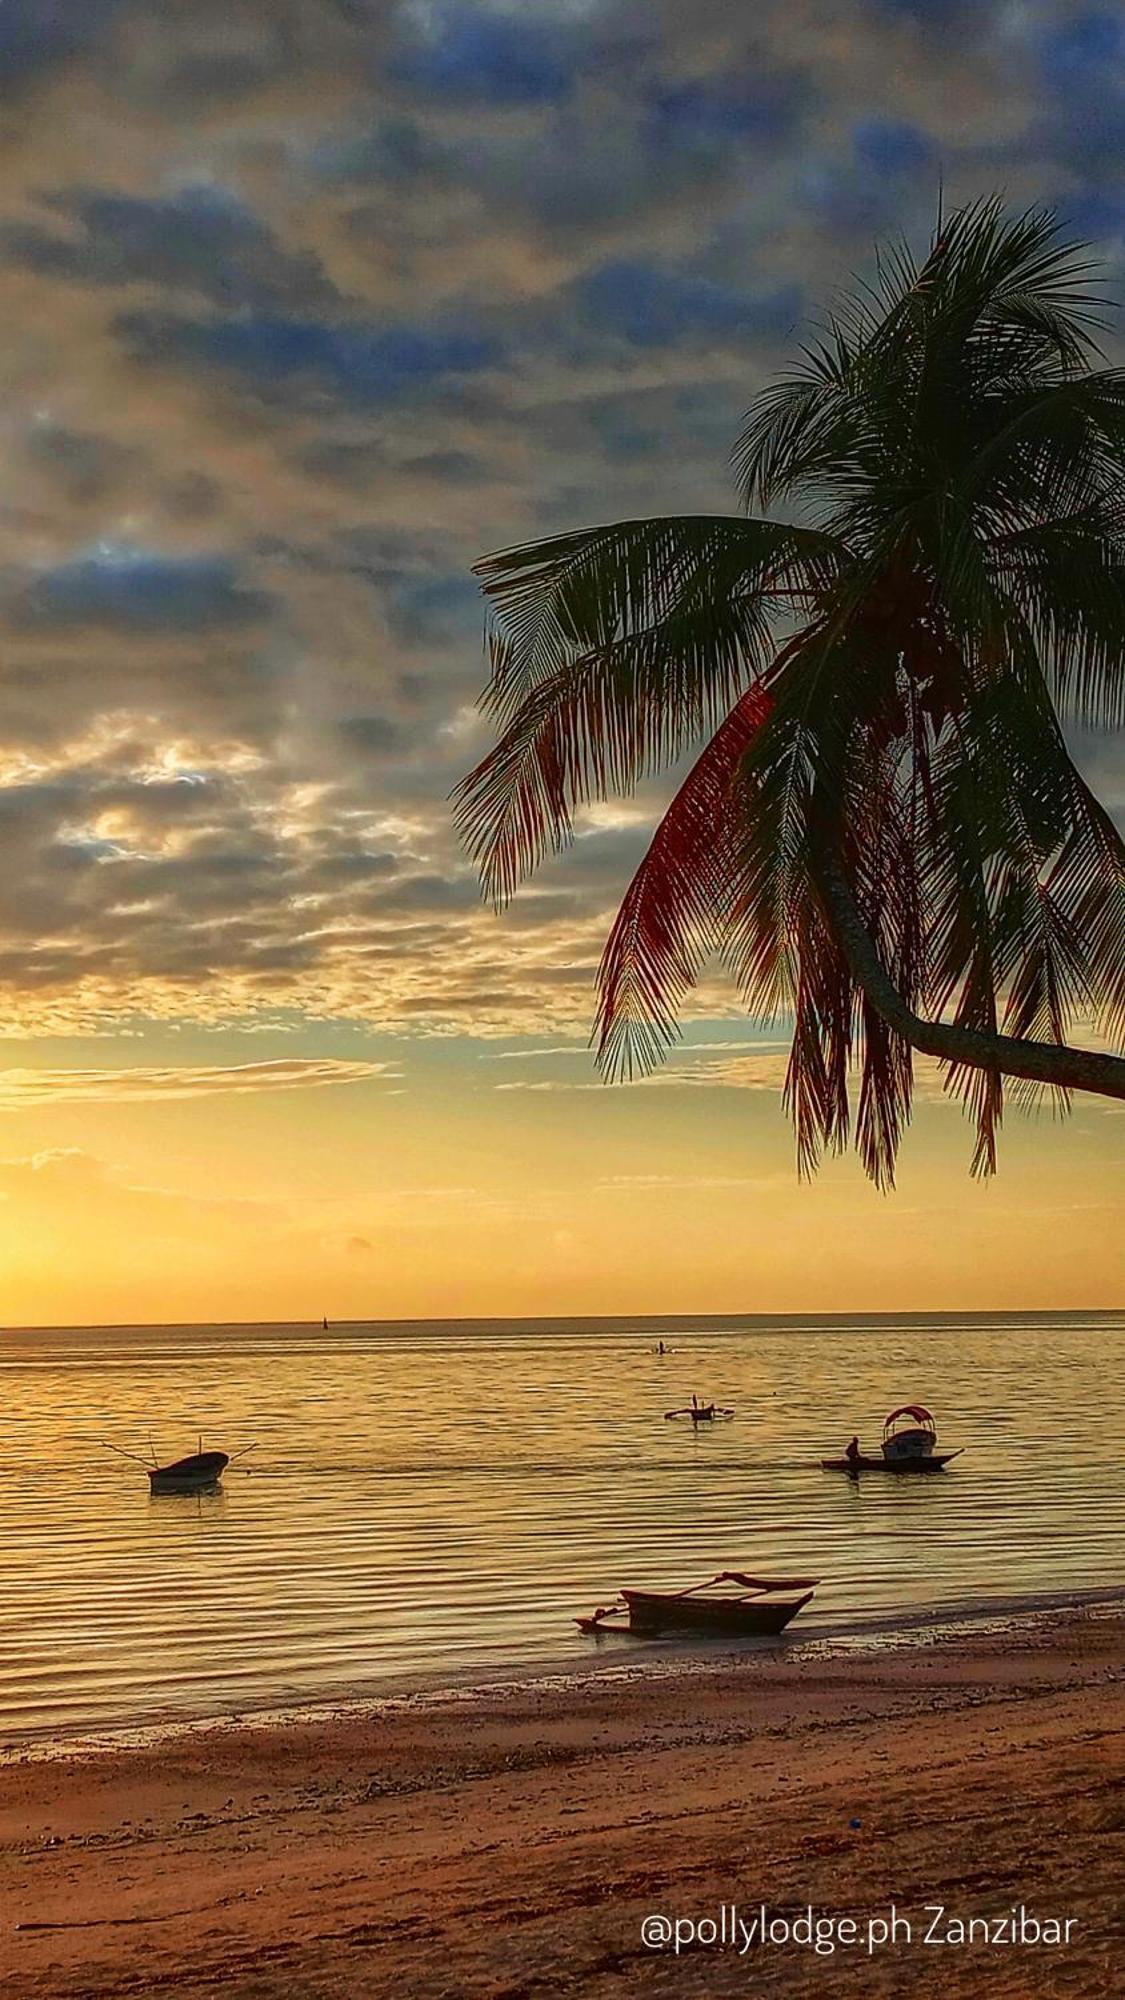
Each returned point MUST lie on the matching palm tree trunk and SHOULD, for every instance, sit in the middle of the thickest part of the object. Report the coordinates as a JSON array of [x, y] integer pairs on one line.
[[1038, 1062]]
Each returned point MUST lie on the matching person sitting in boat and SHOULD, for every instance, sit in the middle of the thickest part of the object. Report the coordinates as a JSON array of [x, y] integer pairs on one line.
[[853, 1453]]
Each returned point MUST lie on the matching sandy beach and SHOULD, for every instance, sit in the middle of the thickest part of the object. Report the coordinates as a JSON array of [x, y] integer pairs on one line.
[[511, 1843]]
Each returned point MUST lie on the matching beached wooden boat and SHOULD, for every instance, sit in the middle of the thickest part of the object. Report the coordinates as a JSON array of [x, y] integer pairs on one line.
[[758, 1607], [189, 1475]]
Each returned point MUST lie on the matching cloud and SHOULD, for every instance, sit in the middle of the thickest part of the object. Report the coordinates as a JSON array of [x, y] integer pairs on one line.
[[653, 307], [34, 34], [201, 241], [375, 735], [469, 54], [348, 361], [534, 1055], [891, 146], [20, 1088], [85, 465], [60, 1164], [710, 112], [933, 13], [651, 1183], [1082, 66], [308, 306], [141, 591], [701, 1066], [761, 1070]]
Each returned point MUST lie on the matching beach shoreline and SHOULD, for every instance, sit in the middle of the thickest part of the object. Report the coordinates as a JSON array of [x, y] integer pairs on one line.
[[608, 1658], [511, 1840]]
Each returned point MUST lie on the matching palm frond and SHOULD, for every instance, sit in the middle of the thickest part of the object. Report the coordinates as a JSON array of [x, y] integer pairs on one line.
[[620, 667], [880, 688], [675, 909]]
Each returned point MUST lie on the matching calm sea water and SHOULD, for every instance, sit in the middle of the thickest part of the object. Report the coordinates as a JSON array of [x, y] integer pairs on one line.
[[427, 1500]]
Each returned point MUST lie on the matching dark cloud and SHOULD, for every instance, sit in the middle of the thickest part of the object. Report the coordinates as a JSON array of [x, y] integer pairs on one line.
[[712, 113], [85, 466], [602, 161], [463, 52], [203, 242], [192, 495], [422, 894], [891, 146], [348, 362], [136, 590], [397, 149], [433, 611], [215, 52], [34, 34], [650, 305], [935, 13], [357, 463], [351, 865], [374, 735], [885, 179], [1082, 66]]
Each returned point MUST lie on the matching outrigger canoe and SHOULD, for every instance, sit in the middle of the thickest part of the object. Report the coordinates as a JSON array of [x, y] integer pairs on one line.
[[935, 1462], [700, 1413], [753, 1611]]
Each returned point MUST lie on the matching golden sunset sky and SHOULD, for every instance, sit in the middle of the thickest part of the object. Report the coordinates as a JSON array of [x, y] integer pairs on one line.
[[307, 304]]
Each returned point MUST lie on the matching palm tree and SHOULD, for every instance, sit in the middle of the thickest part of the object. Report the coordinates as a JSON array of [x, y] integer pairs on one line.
[[884, 836]]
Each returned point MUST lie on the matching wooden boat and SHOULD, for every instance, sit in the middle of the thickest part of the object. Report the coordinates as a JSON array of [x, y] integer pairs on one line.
[[189, 1475], [935, 1461], [909, 1445], [753, 1610], [193, 1474]]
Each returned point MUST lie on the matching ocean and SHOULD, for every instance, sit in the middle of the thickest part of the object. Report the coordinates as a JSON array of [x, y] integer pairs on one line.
[[433, 1503]]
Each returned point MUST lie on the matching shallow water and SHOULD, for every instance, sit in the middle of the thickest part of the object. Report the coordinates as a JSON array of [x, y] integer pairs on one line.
[[427, 1500]]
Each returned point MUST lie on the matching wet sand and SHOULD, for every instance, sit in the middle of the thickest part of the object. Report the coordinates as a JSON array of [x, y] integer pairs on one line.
[[510, 1844]]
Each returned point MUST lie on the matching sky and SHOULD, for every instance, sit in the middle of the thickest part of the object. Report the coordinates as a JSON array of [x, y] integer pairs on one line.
[[307, 304]]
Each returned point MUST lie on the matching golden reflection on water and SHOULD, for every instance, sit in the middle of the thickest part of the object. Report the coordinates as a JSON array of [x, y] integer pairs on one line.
[[429, 1499]]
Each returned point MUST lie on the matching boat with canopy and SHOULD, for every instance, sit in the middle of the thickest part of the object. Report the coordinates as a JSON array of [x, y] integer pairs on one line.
[[909, 1445]]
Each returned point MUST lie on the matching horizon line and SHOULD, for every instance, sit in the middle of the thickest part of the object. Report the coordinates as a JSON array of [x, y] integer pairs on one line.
[[553, 1319]]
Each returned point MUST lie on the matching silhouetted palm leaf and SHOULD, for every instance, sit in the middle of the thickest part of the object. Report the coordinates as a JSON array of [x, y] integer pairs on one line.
[[886, 783]]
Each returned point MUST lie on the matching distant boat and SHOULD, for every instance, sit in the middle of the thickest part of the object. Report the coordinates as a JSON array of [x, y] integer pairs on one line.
[[699, 1413], [197, 1473], [194, 1474], [935, 1463], [324, 1323], [751, 1611], [909, 1445]]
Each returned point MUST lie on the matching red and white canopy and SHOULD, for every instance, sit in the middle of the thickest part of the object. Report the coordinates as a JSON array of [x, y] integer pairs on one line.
[[917, 1414]]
